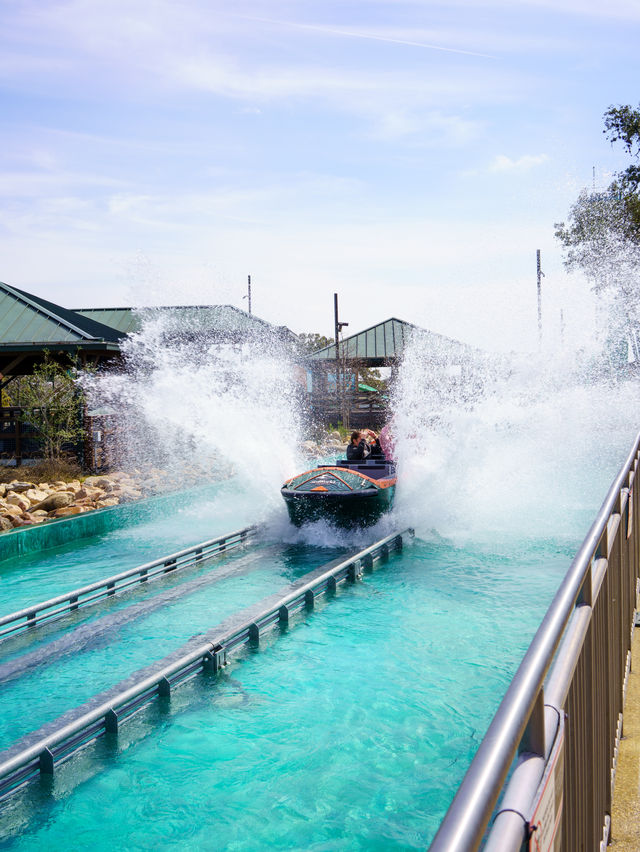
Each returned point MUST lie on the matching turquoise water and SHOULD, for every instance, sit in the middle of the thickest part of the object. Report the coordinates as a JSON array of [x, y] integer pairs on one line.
[[55, 675], [36, 577], [351, 731]]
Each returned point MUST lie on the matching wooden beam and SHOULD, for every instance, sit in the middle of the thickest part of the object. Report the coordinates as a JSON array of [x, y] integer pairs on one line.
[[10, 366]]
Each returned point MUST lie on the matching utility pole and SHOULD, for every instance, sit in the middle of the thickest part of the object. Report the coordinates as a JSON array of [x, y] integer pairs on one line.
[[249, 291], [540, 277], [339, 373], [338, 325]]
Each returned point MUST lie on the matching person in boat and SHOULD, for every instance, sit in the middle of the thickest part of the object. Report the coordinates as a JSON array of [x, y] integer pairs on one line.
[[387, 441], [360, 448]]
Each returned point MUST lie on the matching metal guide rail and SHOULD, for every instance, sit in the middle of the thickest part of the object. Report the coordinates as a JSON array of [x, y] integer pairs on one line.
[[40, 613], [560, 718], [210, 656]]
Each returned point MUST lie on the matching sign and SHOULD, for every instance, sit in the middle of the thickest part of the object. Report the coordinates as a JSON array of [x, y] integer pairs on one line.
[[545, 822]]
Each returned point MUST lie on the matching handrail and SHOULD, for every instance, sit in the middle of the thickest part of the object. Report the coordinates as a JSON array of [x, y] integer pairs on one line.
[[210, 655], [470, 811], [29, 617]]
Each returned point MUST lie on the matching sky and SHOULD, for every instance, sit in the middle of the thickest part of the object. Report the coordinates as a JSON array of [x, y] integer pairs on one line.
[[409, 155]]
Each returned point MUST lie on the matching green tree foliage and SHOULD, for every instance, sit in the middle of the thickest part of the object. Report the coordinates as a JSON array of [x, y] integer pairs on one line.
[[371, 376], [601, 236], [51, 402], [311, 342], [622, 124]]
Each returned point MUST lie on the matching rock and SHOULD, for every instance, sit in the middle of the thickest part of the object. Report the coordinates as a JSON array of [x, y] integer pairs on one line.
[[38, 513], [98, 482], [119, 475], [18, 486], [108, 501], [13, 499], [89, 493], [58, 500], [125, 494], [35, 495], [5, 524], [11, 511], [32, 519], [67, 510]]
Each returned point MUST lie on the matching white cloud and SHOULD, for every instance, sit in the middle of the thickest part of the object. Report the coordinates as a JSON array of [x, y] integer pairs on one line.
[[502, 163], [390, 37]]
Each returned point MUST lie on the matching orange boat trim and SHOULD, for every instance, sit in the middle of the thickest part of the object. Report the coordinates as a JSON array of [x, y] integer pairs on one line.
[[381, 483]]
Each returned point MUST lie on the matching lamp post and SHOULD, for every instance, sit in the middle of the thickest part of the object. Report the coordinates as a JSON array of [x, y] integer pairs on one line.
[[339, 369], [540, 277], [248, 295]]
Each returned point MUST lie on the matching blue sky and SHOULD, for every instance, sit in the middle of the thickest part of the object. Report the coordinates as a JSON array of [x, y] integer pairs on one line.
[[411, 156]]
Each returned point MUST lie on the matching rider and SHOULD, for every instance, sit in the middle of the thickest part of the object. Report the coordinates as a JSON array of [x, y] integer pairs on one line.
[[361, 448]]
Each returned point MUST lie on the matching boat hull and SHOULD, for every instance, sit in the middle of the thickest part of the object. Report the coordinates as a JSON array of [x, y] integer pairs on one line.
[[346, 496]]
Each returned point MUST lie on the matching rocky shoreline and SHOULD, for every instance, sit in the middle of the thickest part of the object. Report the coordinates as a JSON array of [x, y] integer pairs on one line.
[[24, 503]]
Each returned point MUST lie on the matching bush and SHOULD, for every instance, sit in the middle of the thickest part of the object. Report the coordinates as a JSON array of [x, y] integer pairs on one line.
[[48, 470]]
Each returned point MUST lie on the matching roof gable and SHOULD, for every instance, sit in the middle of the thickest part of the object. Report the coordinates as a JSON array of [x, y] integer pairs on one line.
[[25, 318], [223, 318], [386, 342]]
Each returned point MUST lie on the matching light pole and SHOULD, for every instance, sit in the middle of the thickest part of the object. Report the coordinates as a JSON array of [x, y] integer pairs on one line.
[[339, 371]]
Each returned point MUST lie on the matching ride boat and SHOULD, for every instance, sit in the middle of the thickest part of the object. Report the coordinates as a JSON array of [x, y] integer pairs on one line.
[[348, 493]]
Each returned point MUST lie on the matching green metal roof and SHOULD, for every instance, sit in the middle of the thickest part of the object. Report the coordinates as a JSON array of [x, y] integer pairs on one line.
[[225, 319], [26, 319], [385, 342], [124, 320], [380, 342]]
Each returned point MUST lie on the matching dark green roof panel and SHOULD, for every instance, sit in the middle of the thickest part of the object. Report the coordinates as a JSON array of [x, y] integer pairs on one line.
[[125, 320], [27, 319], [222, 318], [20, 322], [386, 342]]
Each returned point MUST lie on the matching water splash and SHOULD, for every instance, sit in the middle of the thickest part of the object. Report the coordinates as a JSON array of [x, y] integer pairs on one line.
[[197, 407], [523, 447], [496, 447]]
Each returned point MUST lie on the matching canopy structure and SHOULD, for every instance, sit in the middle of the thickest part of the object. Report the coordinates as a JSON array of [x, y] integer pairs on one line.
[[29, 326], [337, 376], [217, 322], [382, 345]]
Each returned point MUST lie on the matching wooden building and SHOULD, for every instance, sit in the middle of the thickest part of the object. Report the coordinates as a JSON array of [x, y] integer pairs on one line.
[[334, 373], [32, 328]]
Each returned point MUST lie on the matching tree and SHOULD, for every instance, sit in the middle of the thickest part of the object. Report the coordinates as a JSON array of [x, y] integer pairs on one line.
[[312, 341], [622, 124], [51, 401], [602, 235]]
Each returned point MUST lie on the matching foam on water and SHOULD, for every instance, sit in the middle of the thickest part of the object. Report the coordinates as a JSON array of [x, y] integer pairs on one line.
[[357, 726], [521, 447], [505, 447], [185, 403]]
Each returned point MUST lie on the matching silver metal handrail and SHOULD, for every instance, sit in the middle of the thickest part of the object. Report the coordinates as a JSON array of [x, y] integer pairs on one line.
[[210, 655], [39, 613], [519, 723]]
